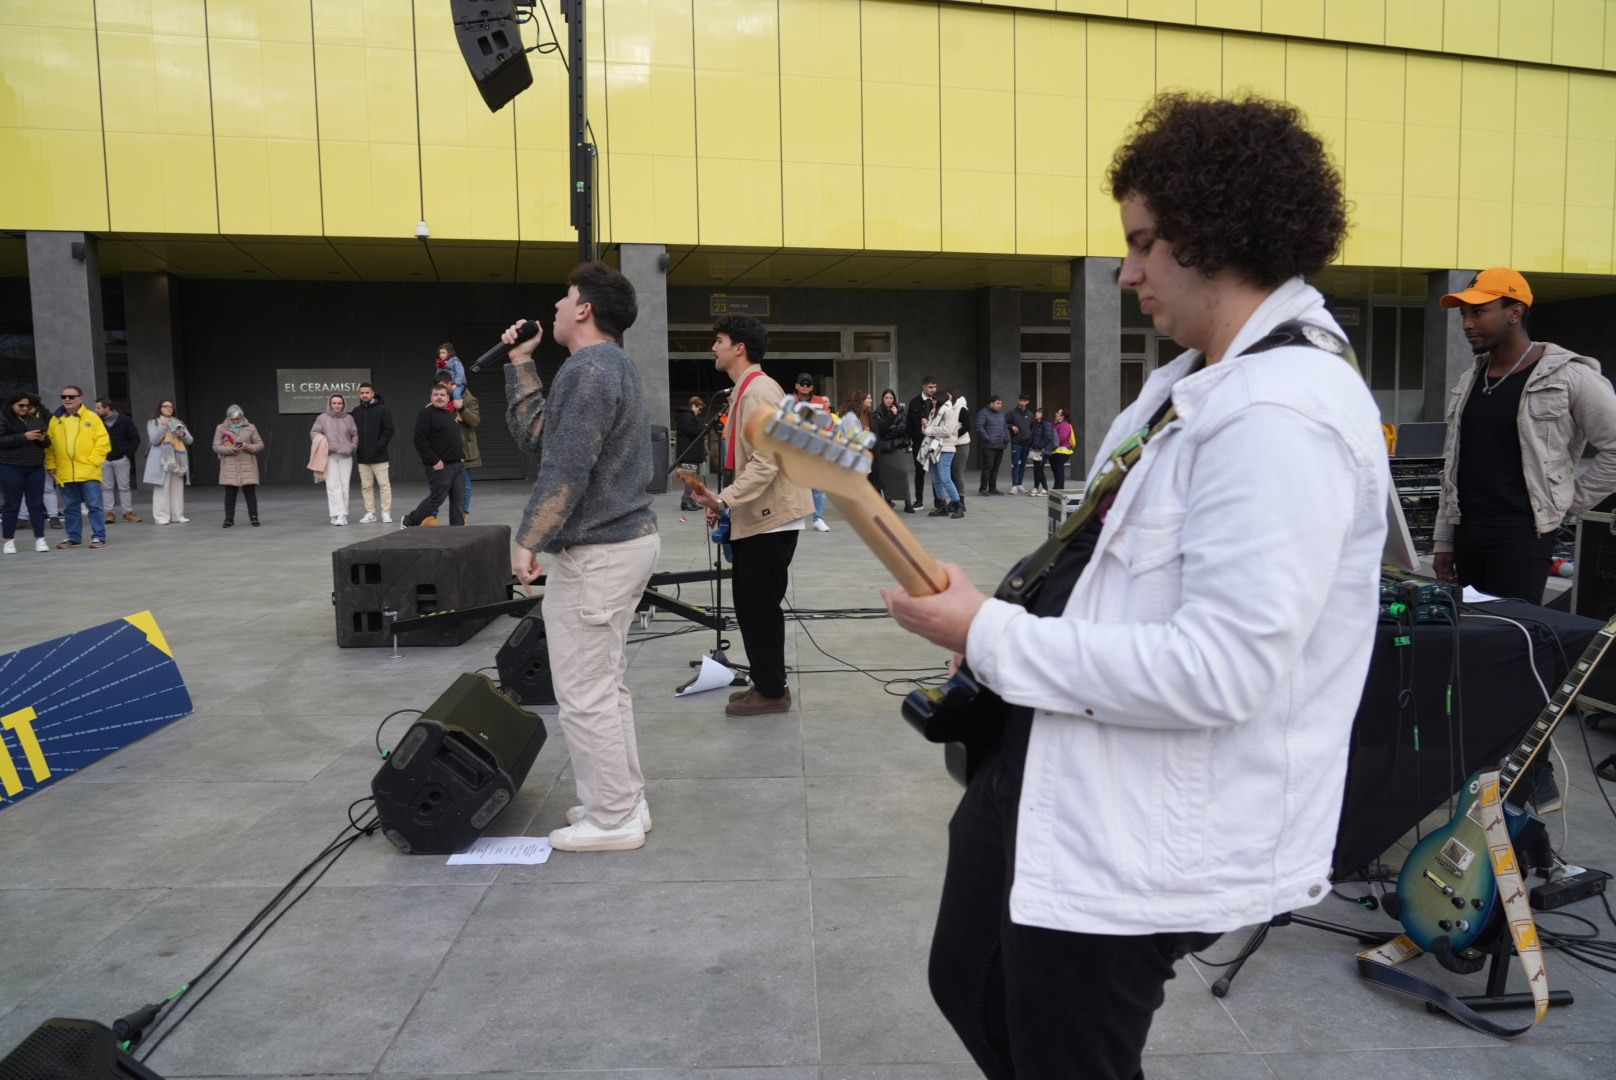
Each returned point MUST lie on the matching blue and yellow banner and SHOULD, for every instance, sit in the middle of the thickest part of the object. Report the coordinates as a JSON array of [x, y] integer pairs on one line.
[[72, 701]]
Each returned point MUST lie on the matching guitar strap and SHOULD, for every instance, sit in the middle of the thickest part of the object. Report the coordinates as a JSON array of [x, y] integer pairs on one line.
[[1379, 965]]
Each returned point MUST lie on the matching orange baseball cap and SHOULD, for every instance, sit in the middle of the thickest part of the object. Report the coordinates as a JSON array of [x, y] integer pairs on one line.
[[1491, 284]]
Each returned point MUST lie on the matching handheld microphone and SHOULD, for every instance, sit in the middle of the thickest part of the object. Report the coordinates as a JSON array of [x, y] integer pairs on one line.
[[528, 329]]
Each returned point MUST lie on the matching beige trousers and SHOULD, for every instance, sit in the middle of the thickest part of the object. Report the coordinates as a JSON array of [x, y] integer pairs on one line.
[[375, 475], [168, 500], [589, 599]]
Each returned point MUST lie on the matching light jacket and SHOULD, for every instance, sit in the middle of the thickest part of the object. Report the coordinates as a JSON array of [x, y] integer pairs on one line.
[[760, 498], [78, 445], [944, 425], [1567, 403], [157, 433], [1193, 704], [238, 450], [340, 431]]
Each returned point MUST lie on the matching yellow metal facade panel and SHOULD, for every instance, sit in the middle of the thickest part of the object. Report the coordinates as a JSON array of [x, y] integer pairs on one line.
[[1116, 9], [371, 24], [738, 122], [977, 73], [1166, 11], [1414, 24], [1230, 14], [1470, 27], [902, 136], [1051, 192], [1431, 162], [161, 183], [1590, 191], [1121, 79], [820, 128], [1255, 64], [268, 187], [155, 83], [260, 20], [1373, 158], [67, 14], [1361, 21], [1486, 163], [57, 179], [1189, 60], [147, 16], [1525, 37], [1579, 33], [1294, 18], [468, 155], [543, 172], [369, 188]]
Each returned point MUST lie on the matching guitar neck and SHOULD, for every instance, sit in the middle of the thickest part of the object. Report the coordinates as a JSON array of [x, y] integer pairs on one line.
[[884, 532], [1547, 720]]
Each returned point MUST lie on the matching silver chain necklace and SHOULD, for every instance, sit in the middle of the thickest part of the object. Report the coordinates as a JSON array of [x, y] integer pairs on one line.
[[1488, 387]]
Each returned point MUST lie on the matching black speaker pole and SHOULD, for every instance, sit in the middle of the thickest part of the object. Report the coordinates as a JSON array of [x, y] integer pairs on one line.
[[583, 153]]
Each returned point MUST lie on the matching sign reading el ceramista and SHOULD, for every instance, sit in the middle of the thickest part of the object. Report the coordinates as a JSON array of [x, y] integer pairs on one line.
[[308, 390]]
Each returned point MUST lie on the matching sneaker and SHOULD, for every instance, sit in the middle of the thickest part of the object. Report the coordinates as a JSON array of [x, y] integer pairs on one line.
[[587, 836], [161, 521], [429, 521], [111, 517], [820, 526], [368, 519], [41, 544], [182, 521], [65, 544], [387, 519], [1017, 489], [753, 703], [131, 516], [642, 813], [55, 522], [98, 543], [10, 548]]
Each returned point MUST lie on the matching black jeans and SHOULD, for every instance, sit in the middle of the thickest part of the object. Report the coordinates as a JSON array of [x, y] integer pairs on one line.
[[762, 572], [445, 483], [1506, 561], [1026, 1001], [989, 481], [250, 491], [922, 482]]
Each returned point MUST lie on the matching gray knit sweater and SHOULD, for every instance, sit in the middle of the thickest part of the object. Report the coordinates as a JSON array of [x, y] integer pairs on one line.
[[594, 450]]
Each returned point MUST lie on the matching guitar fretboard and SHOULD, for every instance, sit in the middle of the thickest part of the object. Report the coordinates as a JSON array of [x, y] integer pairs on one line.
[[1559, 702]]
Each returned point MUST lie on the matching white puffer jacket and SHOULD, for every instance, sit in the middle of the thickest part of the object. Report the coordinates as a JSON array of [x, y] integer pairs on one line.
[[945, 425], [1193, 705]]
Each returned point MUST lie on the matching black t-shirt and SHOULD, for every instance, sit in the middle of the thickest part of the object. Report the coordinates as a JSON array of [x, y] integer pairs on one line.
[[1492, 481]]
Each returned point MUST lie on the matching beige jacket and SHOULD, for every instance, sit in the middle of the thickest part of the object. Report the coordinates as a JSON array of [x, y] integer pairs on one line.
[[1567, 404], [759, 496]]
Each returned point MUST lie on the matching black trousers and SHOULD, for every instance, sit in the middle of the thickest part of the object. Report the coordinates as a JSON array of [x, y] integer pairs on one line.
[[922, 482], [445, 483], [991, 457], [1026, 1001], [250, 493], [1507, 561], [762, 572]]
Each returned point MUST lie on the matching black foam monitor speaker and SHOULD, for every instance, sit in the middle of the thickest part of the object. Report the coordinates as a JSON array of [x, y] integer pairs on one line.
[[491, 45], [417, 572], [524, 664], [72, 1050], [456, 768]]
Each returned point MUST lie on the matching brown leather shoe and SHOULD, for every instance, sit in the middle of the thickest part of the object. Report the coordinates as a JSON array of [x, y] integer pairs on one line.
[[132, 516], [739, 694], [753, 703], [111, 517]]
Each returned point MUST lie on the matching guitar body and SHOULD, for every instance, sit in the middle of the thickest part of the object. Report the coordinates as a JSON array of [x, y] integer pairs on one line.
[[963, 714], [1446, 890]]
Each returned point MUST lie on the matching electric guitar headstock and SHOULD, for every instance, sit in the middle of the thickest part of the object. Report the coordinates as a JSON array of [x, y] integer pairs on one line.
[[812, 449]]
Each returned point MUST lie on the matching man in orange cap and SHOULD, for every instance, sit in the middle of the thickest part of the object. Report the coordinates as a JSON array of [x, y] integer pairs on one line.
[[1517, 423]]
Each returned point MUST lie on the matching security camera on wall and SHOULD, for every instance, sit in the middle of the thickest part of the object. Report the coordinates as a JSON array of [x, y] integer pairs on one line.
[[422, 232]]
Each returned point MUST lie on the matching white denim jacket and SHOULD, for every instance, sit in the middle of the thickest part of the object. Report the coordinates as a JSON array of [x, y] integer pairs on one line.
[[1567, 403], [1193, 705]]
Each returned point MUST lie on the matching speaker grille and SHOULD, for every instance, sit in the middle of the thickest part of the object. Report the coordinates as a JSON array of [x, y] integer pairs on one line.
[[71, 1050]]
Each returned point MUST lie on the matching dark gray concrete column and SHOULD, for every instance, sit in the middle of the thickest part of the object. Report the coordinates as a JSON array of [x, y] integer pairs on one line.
[[1096, 344], [70, 341], [998, 329], [1447, 354], [154, 370], [646, 267]]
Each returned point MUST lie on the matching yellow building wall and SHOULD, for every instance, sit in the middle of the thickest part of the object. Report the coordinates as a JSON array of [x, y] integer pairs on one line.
[[1466, 134]]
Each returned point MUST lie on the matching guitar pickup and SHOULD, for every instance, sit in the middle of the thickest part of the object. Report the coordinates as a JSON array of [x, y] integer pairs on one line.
[[1447, 890]]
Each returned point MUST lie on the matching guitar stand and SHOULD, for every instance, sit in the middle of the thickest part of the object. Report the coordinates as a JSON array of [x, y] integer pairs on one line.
[[1366, 938], [1501, 949]]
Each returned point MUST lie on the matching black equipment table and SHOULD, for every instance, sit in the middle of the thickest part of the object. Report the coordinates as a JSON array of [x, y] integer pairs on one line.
[[1390, 785]]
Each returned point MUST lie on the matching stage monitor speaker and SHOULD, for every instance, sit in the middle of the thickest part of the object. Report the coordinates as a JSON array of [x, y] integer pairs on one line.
[[72, 1050], [456, 768], [524, 664], [415, 572], [491, 44], [1593, 594]]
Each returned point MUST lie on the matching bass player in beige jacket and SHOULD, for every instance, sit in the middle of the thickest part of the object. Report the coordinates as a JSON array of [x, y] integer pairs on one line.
[[766, 513]]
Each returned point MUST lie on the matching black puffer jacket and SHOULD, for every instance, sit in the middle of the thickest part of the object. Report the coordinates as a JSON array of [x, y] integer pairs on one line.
[[15, 447], [375, 424], [891, 428]]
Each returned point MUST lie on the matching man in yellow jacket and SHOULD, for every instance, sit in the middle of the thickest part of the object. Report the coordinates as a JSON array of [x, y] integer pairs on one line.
[[78, 445]]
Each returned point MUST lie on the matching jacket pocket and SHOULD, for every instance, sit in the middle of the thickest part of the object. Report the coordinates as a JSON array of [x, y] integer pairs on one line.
[[1148, 548], [1184, 798]]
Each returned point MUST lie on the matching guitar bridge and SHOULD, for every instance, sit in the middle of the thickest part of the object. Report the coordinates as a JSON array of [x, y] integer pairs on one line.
[[1455, 856]]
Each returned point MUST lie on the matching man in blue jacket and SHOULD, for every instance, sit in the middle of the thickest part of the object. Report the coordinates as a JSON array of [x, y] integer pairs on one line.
[[993, 435]]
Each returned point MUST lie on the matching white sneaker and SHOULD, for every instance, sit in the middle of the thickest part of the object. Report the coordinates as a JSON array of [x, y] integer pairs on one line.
[[161, 521], [387, 519], [41, 544], [820, 526], [642, 812], [367, 519], [10, 548], [1015, 489], [587, 836], [183, 520]]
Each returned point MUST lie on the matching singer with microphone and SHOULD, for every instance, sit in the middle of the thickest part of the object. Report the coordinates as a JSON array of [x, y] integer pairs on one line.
[[589, 510]]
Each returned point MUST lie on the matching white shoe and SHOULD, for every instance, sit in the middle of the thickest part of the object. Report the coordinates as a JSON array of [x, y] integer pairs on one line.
[[161, 521], [587, 836], [10, 548], [339, 520], [367, 519], [387, 519], [41, 544], [642, 812], [1016, 489], [183, 520], [820, 526]]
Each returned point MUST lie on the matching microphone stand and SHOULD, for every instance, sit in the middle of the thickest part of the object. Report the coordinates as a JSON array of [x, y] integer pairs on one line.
[[719, 655]]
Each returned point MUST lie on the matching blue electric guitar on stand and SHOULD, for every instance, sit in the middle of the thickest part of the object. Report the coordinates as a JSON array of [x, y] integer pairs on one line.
[[1446, 892]]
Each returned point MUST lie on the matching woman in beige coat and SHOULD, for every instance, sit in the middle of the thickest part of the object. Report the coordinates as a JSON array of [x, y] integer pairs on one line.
[[238, 445]]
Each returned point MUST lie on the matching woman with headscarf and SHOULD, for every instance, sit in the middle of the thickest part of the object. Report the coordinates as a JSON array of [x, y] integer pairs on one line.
[[168, 465], [238, 445], [336, 427]]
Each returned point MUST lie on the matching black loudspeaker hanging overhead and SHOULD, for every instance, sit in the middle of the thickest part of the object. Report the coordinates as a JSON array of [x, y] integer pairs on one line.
[[72, 1050], [456, 768], [491, 45]]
